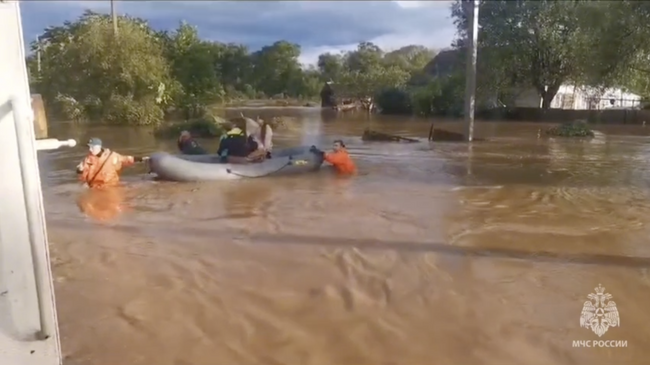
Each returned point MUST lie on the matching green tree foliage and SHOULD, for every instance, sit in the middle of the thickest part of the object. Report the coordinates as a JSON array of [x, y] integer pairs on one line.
[[365, 72], [545, 44], [617, 38], [330, 66], [412, 58], [89, 73], [139, 75], [277, 70], [441, 96], [192, 63], [532, 43]]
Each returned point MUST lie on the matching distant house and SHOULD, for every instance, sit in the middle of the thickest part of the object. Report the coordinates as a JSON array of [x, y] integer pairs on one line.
[[568, 97]]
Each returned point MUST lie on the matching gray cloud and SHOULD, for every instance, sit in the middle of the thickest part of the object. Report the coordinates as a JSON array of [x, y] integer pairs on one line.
[[316, 25]]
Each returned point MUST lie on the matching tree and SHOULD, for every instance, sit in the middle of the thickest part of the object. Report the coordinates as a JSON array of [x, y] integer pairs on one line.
[[532, 42], [194, 66], [277, 69], [141, 74], [367, 57], [412, 57], [236, 68], [616, 39], [91, 74], [364, 72], [367, 84], [330, 66]]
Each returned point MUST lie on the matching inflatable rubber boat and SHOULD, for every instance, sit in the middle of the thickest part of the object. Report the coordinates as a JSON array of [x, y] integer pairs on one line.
[[189, 168]]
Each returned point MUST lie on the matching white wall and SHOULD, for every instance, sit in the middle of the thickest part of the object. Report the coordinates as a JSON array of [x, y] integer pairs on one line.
[[27, 305], [572, 97]]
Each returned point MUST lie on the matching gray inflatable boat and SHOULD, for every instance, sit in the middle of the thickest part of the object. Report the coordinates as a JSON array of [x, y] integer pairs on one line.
[[189, 168]]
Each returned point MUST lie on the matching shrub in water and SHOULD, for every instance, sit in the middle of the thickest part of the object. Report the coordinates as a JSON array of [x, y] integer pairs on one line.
[[570, 129], [208, 126]]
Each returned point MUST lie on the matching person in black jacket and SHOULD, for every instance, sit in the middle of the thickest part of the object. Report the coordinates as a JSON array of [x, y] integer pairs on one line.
[[235, 146]]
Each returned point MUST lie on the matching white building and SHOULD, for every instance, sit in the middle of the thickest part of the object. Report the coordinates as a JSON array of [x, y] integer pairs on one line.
[[583, 97], [579, 98]]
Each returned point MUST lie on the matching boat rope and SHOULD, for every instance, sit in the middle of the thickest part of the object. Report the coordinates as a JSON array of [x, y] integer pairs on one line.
[[252, 176]]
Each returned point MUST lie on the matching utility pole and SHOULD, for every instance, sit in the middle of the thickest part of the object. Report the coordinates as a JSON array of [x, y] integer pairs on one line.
[[114, 16], [38, 55], [470, 77]]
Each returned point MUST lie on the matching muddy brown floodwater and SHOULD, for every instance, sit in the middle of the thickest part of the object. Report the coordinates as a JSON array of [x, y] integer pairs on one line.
[[434, 254]]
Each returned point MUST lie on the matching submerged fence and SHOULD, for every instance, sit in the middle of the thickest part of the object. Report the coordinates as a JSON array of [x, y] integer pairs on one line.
[[599, 116]]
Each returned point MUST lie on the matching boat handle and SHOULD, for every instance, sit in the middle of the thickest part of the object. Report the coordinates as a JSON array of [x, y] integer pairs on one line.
[[53, 144]]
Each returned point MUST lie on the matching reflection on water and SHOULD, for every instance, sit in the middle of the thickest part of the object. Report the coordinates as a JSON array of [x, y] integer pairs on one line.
[[433, 254], [103, 205]]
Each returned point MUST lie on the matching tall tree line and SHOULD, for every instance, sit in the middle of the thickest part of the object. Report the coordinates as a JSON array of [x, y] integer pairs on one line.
[[138, 76], [141, 75]]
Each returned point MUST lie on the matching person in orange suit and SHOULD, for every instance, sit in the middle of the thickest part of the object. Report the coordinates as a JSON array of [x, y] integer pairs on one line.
[[102, 167], [339, 158]]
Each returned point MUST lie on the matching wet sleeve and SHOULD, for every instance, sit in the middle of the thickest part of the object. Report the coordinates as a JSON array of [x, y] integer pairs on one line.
[[80, 167], [125, 160], [334, 158], [86, 171]]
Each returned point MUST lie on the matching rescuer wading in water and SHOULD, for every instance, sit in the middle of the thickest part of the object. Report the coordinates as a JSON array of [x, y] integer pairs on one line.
[[102, 167]]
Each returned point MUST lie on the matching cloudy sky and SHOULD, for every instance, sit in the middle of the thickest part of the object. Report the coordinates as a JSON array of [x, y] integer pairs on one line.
[[318, 26]]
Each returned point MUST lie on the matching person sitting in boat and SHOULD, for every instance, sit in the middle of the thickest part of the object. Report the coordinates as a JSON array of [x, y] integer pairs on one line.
[[188, 146], [235, 146], [338, 158], [102, 167]]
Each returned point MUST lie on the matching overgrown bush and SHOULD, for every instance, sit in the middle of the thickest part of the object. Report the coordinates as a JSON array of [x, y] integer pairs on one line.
[[394, 101], [208, 126], [570, 129], [120, 109], [441, 97], [423, 99], [450, 99]]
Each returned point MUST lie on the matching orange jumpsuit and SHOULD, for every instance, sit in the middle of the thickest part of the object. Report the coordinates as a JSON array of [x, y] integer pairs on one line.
[[341, 161], [104, 170]]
